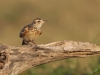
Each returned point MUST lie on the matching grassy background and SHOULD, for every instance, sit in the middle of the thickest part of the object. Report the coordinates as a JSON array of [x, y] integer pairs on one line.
[[77, 20]]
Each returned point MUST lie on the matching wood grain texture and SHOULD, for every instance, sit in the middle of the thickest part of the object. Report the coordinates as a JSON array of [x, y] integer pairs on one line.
[[14, 59]]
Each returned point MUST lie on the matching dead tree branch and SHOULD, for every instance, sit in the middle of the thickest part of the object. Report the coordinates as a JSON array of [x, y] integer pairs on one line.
[[14, 60]]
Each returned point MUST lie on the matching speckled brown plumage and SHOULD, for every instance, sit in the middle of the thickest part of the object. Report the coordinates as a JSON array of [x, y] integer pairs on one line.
[[30, 32]]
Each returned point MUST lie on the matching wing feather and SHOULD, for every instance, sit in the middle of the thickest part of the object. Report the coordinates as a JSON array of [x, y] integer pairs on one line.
[[24, 31]]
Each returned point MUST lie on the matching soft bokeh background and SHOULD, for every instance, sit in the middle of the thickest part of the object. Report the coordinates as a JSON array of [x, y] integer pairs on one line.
[[77, 20]]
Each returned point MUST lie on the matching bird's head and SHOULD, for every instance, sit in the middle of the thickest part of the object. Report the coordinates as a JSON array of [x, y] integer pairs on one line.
[[38, 22]]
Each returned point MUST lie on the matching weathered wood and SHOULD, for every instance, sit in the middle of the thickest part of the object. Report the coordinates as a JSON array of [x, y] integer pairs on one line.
[[14, 60]]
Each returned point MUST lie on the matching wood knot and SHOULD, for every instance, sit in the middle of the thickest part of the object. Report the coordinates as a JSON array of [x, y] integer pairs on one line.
[[3, 59], [3, 55]]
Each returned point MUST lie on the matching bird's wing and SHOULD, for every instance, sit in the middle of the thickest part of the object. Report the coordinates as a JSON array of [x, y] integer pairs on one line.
[[24, 31]]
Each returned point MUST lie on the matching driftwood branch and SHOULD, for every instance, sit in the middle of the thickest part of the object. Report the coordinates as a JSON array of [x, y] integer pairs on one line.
[[14, 60]]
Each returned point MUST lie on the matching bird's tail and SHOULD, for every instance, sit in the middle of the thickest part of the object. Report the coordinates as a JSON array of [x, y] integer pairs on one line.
[[24, 43]]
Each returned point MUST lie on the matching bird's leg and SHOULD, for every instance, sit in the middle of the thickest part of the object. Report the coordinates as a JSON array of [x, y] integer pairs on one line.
[[33, 44]]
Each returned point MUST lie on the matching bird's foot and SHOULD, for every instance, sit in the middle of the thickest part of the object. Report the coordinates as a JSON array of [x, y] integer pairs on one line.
[[34, 45]]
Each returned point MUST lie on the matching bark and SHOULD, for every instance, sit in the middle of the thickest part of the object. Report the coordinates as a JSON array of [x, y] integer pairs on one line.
[[14, 60]]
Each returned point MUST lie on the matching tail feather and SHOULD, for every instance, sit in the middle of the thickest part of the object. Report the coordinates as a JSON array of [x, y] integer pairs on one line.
[[24, 43]]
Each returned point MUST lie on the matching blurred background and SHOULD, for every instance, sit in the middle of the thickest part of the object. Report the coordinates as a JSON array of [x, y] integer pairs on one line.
[[77, 20]]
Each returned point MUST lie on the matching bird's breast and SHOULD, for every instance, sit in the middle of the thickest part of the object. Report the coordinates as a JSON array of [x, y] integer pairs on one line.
[[32, 35]]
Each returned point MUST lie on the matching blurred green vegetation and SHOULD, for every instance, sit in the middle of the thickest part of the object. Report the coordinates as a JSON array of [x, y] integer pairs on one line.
[[77, 20]]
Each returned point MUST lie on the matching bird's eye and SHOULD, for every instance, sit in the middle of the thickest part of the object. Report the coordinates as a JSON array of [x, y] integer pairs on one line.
[[38, 21]]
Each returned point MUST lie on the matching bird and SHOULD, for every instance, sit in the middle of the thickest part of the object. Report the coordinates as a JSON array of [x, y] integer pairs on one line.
[[31, 31]]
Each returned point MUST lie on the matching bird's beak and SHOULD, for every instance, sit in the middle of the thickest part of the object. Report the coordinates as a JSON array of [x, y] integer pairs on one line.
[[45, 20]]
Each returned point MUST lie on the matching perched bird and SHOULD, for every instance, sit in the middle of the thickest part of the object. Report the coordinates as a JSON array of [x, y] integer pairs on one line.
[[30, 32]]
